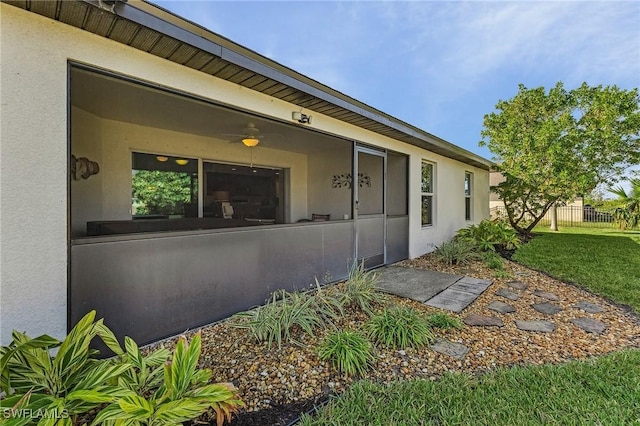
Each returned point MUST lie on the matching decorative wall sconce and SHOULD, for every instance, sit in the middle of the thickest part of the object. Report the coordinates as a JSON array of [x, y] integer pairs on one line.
[[344, 180], [301, 118], [83, 168]]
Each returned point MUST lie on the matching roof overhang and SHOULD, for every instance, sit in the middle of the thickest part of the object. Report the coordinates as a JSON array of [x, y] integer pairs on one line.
[[152, 29]]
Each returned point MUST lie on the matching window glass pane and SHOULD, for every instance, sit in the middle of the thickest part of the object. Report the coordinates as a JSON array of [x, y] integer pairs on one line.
[[467, 208], [467, 184], [427, 210], [164, 186], [427, 177], [245, 193]]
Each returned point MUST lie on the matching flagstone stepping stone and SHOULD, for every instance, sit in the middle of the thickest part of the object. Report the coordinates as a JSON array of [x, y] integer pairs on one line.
[[483, 321], [536, 325], [590, 325], [508, 294], [453, 349], [546, 295], [592, 308], [546, 308], [517, 285], [501, 307]]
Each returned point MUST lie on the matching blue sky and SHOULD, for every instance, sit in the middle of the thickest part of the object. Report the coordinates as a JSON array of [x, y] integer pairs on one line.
[[438, 65]]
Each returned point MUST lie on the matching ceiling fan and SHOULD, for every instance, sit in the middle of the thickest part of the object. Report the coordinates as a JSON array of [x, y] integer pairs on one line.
[[250, 136]]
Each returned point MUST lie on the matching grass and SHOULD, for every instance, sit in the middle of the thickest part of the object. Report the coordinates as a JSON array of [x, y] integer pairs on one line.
[[605, 261], [599, 391], [603, 391]]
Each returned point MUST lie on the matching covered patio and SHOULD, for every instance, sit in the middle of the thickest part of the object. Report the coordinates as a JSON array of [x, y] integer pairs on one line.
[[250, 220]]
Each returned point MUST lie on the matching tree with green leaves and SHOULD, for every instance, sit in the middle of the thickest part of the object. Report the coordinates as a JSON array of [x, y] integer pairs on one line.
[[162, 192], [628, 215], [555, 146]]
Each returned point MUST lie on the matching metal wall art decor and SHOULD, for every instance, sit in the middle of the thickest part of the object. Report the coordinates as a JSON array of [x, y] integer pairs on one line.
[[83, 168], [344, 180]]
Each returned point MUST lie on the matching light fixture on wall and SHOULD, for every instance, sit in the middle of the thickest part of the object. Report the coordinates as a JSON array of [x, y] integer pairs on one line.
[[250, 141], [301, 118], [182, 162], [161, 158]]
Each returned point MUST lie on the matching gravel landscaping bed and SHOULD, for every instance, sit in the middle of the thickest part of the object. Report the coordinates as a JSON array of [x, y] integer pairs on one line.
[[276, 382]]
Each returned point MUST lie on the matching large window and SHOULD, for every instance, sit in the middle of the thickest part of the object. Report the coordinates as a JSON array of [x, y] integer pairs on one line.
[[254, 194], [468, 190], [163, 186], [427, 191]]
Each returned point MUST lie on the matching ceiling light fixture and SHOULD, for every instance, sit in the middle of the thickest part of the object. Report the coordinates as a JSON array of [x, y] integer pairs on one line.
[[161, 158], [182, 162], [251, 141]]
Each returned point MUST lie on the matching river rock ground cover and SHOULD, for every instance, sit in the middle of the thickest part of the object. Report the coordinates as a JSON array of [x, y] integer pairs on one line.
[[277, 384]]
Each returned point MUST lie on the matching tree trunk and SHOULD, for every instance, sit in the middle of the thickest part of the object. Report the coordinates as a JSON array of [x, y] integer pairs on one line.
[[554, 217]]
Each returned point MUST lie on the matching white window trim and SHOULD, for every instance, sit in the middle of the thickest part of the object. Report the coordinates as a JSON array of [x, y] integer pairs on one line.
[[432, 194]]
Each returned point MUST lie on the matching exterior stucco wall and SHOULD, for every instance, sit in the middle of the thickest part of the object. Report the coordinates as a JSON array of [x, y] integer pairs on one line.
[[33, 189]]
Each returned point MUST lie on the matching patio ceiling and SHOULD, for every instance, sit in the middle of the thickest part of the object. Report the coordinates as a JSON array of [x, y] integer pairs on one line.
[[152, 29], [119, 100]]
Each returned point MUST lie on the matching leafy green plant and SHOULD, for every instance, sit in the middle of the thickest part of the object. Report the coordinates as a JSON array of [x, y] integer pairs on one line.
[[456, 252], [493, 260], [280, 316], [71, 383], [328, 303], [489, 235], [628, 215], [399, 326], [360, 289], [184, 394], [348, 351], [137, 389], [444, 321]]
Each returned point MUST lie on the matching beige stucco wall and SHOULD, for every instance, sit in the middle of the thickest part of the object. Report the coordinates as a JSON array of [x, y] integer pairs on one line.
[[33, 188]]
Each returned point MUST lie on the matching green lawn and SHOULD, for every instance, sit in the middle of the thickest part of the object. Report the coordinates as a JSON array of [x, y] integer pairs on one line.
[[602, 391], [605, 261]]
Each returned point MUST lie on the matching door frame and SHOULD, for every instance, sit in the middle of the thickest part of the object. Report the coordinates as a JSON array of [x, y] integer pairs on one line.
[[364, 149]]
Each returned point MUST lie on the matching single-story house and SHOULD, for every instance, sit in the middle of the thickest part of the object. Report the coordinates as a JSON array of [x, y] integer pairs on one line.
[[168, 177]]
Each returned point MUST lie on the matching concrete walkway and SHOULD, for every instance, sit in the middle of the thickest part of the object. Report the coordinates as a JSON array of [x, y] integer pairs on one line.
[[437, 289]]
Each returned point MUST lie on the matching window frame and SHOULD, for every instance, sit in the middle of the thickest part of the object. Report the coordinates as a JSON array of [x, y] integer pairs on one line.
[[468, 196], [431, 193]]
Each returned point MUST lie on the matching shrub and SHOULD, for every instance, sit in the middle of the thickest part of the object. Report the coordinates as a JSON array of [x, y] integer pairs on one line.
[[444, 321], [489, 235], [348, 351], [284, 312], [185, 393], [360, 289], [399, 326], [74, 383], [493, 260], [455, 252]]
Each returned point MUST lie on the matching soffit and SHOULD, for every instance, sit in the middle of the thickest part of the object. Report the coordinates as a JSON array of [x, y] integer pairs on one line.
[[154, 30]]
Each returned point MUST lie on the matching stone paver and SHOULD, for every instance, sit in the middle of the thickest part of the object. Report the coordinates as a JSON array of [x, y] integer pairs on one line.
[[536, 325], [453, 349], [592, 308], [546, 308], [517, 285], [459, 295], [546, 295], [508, 294], [416, 284], [501, 307], [483, 321], [590, 325]]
